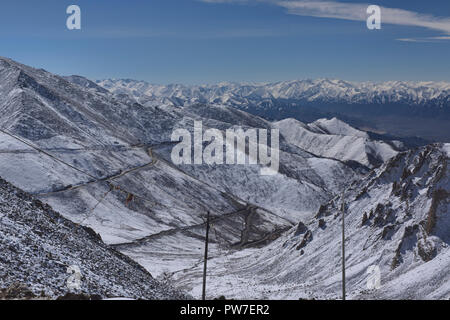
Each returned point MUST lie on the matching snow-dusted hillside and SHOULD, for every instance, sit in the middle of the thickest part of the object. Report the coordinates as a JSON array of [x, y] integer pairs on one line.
[[37, 246], [336, 139], [397, 218], [103, 161]]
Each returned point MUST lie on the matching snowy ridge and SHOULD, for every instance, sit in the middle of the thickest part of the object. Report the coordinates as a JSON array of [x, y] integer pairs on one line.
[[336, 139], [37, 246], [337, 127], [397, 218]]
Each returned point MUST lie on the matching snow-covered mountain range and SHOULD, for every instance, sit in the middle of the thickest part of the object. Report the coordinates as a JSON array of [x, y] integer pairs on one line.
[[405, 109], [317, 91], [102, 159]]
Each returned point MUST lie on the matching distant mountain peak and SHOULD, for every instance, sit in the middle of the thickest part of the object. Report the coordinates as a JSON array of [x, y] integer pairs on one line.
[[318, 90]]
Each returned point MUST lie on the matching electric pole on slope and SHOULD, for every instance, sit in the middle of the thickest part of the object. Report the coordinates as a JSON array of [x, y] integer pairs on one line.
[[206, 257], [343, 244]]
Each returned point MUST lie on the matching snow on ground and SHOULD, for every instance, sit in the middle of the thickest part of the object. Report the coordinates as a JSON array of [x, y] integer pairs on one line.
[[335, 126], [336, 139], [447, 148], [107, 166], [37, 247], [389, 224]]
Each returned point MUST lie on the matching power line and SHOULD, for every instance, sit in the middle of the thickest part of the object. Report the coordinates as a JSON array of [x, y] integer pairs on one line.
[[46, 153], [206, 256], [343, 246], [96, 179]]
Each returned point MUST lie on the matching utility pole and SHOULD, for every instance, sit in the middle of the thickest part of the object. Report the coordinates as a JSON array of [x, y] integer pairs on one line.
[[206, 257], [343, 245]]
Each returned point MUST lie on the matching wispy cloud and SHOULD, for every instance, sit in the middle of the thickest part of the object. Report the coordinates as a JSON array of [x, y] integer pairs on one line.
[[426, 39], [356, 12]]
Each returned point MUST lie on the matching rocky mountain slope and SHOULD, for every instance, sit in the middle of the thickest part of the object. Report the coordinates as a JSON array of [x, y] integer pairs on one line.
[[38, 246], [103, 160], [336, 139], [397, 219]]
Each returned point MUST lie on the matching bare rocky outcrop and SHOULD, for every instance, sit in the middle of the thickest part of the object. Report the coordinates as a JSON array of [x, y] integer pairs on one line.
[[38, 245]]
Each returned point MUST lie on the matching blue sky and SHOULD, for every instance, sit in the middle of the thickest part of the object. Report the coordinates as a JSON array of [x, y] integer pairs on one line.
[[195, 41]]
